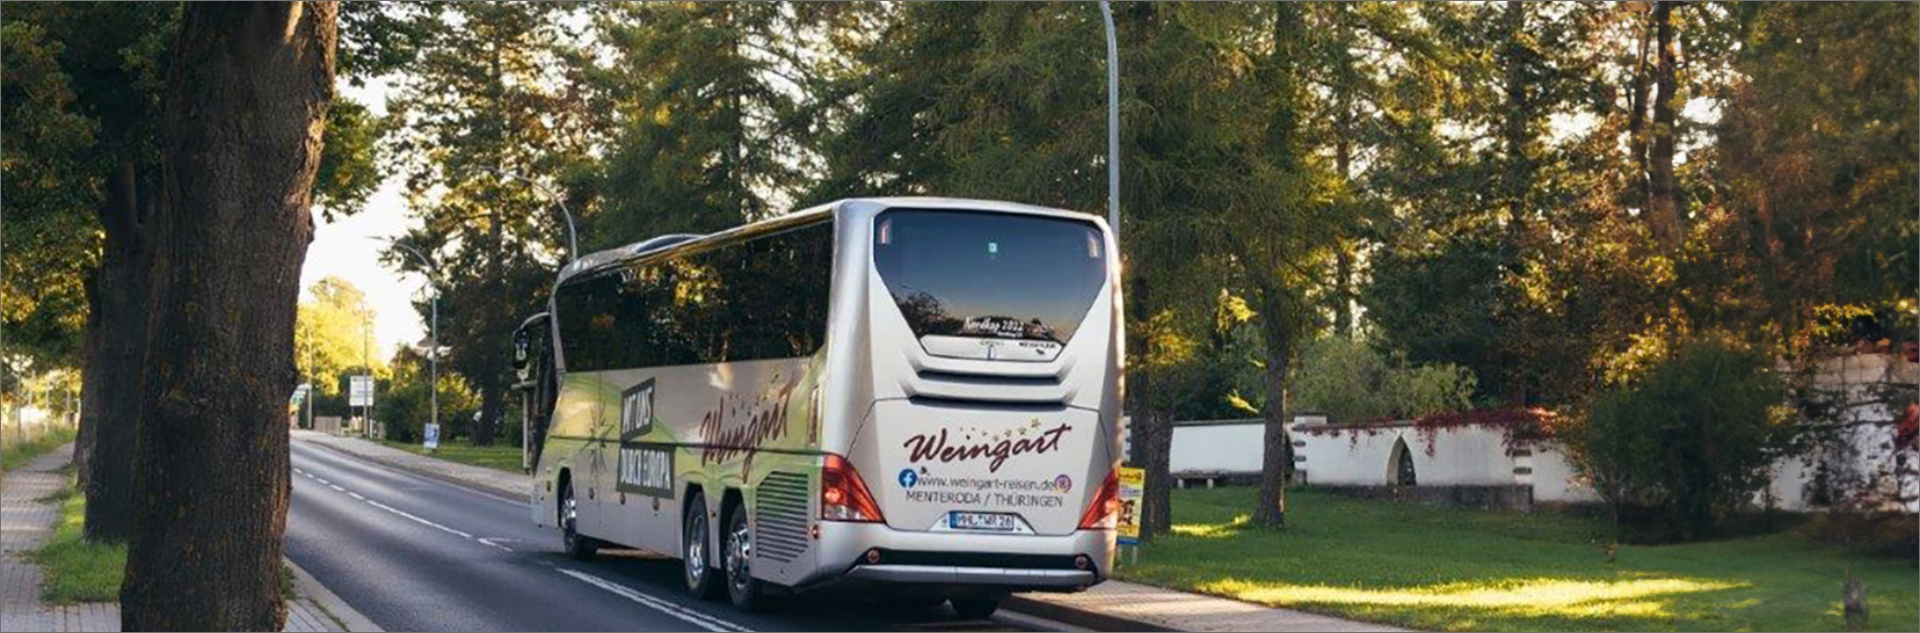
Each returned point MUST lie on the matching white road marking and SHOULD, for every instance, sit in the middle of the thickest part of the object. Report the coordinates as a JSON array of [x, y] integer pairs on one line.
[[336, 488], [356, 496], [489, 541], [419, 520], [697, 618], [323, 481]]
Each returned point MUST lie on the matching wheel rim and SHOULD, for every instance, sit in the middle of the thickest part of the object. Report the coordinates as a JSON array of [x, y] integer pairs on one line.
[[697, 547], [569, 515], [739, 553]]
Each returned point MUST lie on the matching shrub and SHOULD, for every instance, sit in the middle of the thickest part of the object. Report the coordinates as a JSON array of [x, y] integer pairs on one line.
[[1691, 441], [1351, 381]]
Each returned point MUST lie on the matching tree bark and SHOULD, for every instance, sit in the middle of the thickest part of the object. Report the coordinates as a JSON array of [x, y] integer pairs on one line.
[[1637, 115], [116, 358], [246, 99], [1276, 472], [1344, 116], [1662, 209], [1516, 126], [1156, 435]]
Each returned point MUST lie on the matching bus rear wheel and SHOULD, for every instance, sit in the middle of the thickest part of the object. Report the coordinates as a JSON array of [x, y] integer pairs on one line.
[[743, 589], [578, 546], [695, 552]]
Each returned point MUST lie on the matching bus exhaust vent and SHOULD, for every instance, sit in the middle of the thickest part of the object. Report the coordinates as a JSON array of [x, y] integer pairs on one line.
[[780, 517]]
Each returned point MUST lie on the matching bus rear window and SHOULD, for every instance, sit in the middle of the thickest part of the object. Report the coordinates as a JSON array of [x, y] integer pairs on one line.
[[989, 275]]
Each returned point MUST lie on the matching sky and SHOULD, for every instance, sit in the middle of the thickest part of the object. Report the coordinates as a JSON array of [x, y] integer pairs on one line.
[[349, 247]]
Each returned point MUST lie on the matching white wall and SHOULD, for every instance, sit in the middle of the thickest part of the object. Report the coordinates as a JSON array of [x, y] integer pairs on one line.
[[1217, 448], [1482, 455]]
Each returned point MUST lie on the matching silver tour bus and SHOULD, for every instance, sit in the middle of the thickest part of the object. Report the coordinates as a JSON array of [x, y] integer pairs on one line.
[[918, 394]]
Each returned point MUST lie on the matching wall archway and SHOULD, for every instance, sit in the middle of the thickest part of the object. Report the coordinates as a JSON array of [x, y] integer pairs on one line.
[[1400, 471]]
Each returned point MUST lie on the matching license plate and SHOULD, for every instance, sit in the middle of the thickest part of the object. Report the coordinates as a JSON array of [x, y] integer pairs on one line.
[[985, 521]]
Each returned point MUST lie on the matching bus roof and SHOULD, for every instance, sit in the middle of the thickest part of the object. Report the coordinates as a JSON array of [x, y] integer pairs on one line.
[[607, 258]]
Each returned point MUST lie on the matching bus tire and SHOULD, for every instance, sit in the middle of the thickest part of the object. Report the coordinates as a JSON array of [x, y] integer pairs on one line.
[[746, 592], [578, 546], [976, 608], [696, 553]]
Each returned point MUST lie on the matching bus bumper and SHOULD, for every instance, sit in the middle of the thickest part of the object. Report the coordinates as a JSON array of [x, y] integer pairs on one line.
[[947, 575], [869, 554]]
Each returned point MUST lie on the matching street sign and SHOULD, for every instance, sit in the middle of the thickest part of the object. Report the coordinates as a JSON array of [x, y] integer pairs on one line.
[[1132, 488], [300, 393], [360, 391], [432, 435]]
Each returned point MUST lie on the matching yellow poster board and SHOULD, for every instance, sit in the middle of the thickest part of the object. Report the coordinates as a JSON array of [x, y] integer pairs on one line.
[[1133, 486]]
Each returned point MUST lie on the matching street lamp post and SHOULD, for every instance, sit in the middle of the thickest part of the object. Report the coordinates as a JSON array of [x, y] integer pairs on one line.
[[1113, 122], [433, 333], [573, 243], [366, 371]]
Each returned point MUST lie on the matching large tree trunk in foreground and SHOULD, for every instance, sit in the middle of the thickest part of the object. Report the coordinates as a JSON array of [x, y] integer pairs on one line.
[[116, 358], [247, 95]]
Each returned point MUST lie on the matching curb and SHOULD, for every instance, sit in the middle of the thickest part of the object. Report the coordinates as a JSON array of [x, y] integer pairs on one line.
[[516, 496], [1077, 617], [342, 613]]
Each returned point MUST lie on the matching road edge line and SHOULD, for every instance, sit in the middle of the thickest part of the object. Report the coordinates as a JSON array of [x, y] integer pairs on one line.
[[509, 496], [1077, 617], [330, 603]]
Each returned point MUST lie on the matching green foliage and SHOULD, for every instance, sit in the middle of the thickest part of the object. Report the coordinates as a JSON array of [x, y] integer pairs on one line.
[[330, 337], [1350, 381], [703, 108], [350, 162], [77, 570], [1446, 569], [490, 90], [1817, 169], [81, 89], [405, 405], [1690, 441]]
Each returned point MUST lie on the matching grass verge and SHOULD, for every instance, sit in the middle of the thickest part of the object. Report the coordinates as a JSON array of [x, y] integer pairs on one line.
[[17, 453], [1455, 569], [498, 457], [77, 570]]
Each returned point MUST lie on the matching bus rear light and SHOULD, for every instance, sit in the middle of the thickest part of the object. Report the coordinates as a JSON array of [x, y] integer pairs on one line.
[[843, 496], [1104, 512]]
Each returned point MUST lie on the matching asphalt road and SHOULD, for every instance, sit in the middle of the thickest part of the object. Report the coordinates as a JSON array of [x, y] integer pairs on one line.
[[417, 554]]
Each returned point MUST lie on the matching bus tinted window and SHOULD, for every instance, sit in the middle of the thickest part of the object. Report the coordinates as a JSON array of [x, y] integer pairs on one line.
[[762, 298], [989, 275]]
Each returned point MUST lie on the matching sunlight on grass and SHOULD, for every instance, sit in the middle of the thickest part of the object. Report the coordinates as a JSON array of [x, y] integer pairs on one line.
[[1214, 530], [1443, 568], [1531, 596]]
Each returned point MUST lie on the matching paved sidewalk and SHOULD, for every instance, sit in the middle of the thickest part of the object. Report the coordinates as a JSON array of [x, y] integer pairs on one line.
[[510, 485], [1112, 605], [26, 522], [1125, 606]]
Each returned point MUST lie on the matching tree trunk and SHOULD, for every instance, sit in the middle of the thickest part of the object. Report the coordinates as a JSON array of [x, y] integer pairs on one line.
[[1276, 471], [117, 353], [1516, 127], [1344, 115], [246, 100], [1637, 116], [1156, 436], [1662, 210], [492, 402]]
